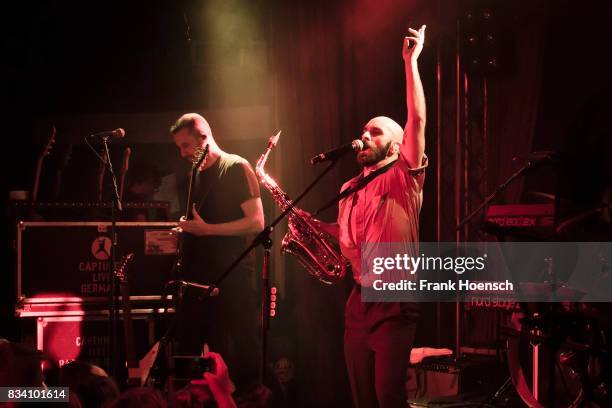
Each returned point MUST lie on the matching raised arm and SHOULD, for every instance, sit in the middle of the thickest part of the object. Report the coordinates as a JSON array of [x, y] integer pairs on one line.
[[412, 149]]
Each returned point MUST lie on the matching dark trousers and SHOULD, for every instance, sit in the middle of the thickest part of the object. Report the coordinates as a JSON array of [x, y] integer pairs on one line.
[[228, 324], [378, 338]]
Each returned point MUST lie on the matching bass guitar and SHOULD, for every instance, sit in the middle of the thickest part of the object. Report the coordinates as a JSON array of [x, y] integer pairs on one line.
[[199, 158]]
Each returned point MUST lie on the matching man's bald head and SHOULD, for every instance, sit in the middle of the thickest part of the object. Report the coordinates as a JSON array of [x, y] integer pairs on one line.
[[394, 129], [194, 122], [382, 138], [191, 133]]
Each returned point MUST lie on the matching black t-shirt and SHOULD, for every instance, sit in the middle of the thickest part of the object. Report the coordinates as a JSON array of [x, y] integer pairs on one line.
[[228, 322], [218, 194]]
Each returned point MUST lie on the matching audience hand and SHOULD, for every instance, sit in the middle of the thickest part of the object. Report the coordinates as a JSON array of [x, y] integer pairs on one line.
[[219, 381]]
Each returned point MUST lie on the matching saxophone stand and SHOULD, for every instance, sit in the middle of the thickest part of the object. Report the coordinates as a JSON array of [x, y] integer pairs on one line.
[[263, 239], [155, 377]]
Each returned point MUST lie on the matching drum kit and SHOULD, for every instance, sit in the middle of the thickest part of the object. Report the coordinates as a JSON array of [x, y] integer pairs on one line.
[[558, 354]]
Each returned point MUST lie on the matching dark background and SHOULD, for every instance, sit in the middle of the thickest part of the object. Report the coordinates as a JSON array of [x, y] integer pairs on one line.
[[318, 70]]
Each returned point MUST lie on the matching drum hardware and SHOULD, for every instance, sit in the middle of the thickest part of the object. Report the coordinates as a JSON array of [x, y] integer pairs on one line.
[[572, 341], [567, 351], [574, 346]]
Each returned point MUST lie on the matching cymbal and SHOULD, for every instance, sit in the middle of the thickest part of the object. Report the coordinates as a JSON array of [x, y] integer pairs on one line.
[[601, 209], [541, 194], [547, 290]]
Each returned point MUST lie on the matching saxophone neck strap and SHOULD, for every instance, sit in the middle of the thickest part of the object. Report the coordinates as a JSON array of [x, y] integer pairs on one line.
[[361, 183]]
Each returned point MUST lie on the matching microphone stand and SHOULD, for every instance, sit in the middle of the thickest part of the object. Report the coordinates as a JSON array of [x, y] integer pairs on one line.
[[165, 348], [263, 239], [531, 164], [162, 372], [113, 310]]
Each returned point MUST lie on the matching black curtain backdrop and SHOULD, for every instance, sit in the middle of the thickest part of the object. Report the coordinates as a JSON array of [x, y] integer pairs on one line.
[[336, 64], [575, 112], [306, 54], [514, 93]]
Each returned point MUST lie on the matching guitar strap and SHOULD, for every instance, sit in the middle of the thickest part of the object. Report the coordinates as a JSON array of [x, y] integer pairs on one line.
[[361, 183]]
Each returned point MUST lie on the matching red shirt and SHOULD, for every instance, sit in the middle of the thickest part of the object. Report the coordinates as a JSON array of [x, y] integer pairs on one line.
[[386, 210]]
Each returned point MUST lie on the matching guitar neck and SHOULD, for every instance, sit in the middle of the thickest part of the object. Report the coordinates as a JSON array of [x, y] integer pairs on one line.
[[37, 179], [194, 171], [60, 171], [188, 214], [39, 164]]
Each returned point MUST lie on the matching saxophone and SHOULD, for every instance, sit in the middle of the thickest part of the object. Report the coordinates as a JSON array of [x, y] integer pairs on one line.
[[310, 245]]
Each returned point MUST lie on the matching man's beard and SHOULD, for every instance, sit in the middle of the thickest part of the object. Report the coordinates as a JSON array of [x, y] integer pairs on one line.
[[366, 159]]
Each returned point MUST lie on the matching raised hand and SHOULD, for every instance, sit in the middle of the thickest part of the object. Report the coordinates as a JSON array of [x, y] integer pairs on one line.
[[413, 44]]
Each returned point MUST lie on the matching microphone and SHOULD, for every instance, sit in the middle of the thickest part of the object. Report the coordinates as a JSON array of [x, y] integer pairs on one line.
[[117, 134], [214, 291], [355, 146]]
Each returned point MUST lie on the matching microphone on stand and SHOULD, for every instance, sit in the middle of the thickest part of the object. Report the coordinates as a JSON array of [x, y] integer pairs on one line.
[[116, 134], [355, 146]]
